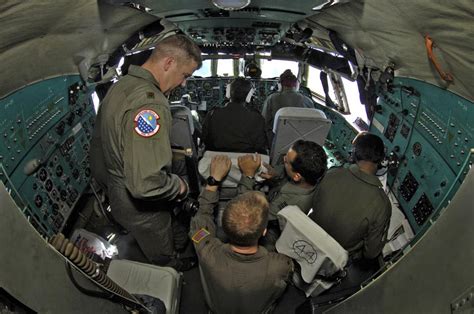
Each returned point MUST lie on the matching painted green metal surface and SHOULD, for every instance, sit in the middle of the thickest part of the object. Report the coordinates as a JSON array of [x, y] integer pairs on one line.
[[429, 132], [45, 129]]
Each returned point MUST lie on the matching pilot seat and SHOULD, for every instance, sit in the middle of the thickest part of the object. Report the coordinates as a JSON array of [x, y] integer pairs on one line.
[[326, 273], [292, 124]]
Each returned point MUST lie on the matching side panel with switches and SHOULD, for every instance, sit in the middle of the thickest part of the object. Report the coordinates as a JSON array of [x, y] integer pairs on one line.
[[46, 128], [429, 134]]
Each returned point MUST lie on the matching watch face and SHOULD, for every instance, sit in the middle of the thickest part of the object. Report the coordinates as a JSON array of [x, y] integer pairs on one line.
[[211, 181]]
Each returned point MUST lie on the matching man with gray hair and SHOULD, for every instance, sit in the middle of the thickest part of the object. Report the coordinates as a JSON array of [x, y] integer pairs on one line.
[[131, 151]]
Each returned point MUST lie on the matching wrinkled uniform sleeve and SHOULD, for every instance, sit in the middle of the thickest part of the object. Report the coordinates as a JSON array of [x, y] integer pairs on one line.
[[204, 218], [307, 102], [268, 116], [147, 160], [245, 184], [280, 201], [377, 233]]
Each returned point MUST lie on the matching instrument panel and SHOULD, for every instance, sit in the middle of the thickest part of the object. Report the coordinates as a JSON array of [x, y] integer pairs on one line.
[[44, 162], [207, 93], [429, 134]]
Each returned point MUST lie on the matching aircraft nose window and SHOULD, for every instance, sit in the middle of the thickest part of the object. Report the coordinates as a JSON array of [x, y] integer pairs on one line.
[[225, 67], [205, 69], [274, 68]]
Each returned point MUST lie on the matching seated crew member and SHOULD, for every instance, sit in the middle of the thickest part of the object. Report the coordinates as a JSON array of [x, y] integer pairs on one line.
[[131, 142], [350, 203], [234, 128], [240, 276], [304, 165], [288, 96]]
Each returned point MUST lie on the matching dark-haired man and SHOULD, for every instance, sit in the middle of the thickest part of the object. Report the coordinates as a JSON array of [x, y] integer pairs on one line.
[[131, 152], [350, 203], [287, 96], [234, 128], [304, 165], [241, 276]]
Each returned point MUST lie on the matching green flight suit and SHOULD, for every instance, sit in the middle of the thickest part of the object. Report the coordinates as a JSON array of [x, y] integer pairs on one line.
[[285, 193], [288, 193], [233, 282], [136, 155], [352, 207]]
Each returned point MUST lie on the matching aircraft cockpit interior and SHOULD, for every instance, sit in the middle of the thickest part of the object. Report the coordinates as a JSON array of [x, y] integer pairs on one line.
[[399, 70]]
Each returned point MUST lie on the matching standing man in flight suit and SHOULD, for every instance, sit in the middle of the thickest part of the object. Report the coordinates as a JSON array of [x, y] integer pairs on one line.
[[239, 276], [132, 141], [288, 96]]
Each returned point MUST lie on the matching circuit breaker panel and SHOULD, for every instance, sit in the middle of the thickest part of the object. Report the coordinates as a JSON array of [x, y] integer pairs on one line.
[[46, 128]]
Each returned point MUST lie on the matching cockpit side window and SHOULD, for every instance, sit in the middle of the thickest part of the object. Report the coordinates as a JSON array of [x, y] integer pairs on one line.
[[314, 83], [356, 109]]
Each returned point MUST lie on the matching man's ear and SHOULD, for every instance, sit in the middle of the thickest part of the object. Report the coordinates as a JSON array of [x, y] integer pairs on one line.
[[264, 232], [297, 177], [167, 63]]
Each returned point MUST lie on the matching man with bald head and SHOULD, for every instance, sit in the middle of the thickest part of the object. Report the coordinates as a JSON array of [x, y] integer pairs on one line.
[[131, 152]]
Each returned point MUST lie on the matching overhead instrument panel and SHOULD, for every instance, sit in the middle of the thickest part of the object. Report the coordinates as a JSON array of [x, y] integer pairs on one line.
[[45, 130], [207, 93], [429, 133], [259, 34]]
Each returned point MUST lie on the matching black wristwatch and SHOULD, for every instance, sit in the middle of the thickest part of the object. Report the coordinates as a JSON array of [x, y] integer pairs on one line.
[[212, 182]]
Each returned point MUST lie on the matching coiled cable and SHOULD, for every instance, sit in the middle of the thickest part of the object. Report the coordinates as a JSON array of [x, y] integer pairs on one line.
[[75, 256]]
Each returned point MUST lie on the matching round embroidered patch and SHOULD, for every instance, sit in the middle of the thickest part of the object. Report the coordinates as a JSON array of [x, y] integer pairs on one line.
[[146, 123]]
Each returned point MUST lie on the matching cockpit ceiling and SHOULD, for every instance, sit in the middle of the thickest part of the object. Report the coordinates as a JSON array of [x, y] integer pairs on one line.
[[49, 38], [261, 24], [386, 31], [41, 39]]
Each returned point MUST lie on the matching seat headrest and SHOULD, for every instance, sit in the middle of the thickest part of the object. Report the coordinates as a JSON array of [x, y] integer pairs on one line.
[[298, 113], [312, 247]]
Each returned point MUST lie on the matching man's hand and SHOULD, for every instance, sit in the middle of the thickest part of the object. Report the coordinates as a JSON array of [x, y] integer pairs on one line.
[[249, 164], [183, 187], [220, 167], [270, 173]]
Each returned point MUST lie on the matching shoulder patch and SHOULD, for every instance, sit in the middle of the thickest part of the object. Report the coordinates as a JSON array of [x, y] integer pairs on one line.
[[146, 123], [199, 235]]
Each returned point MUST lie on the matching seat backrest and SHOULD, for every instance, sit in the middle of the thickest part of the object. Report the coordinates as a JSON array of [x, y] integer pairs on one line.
[[318, 254], [292, 124], [182, 128], [163, 283], [233, 178]]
